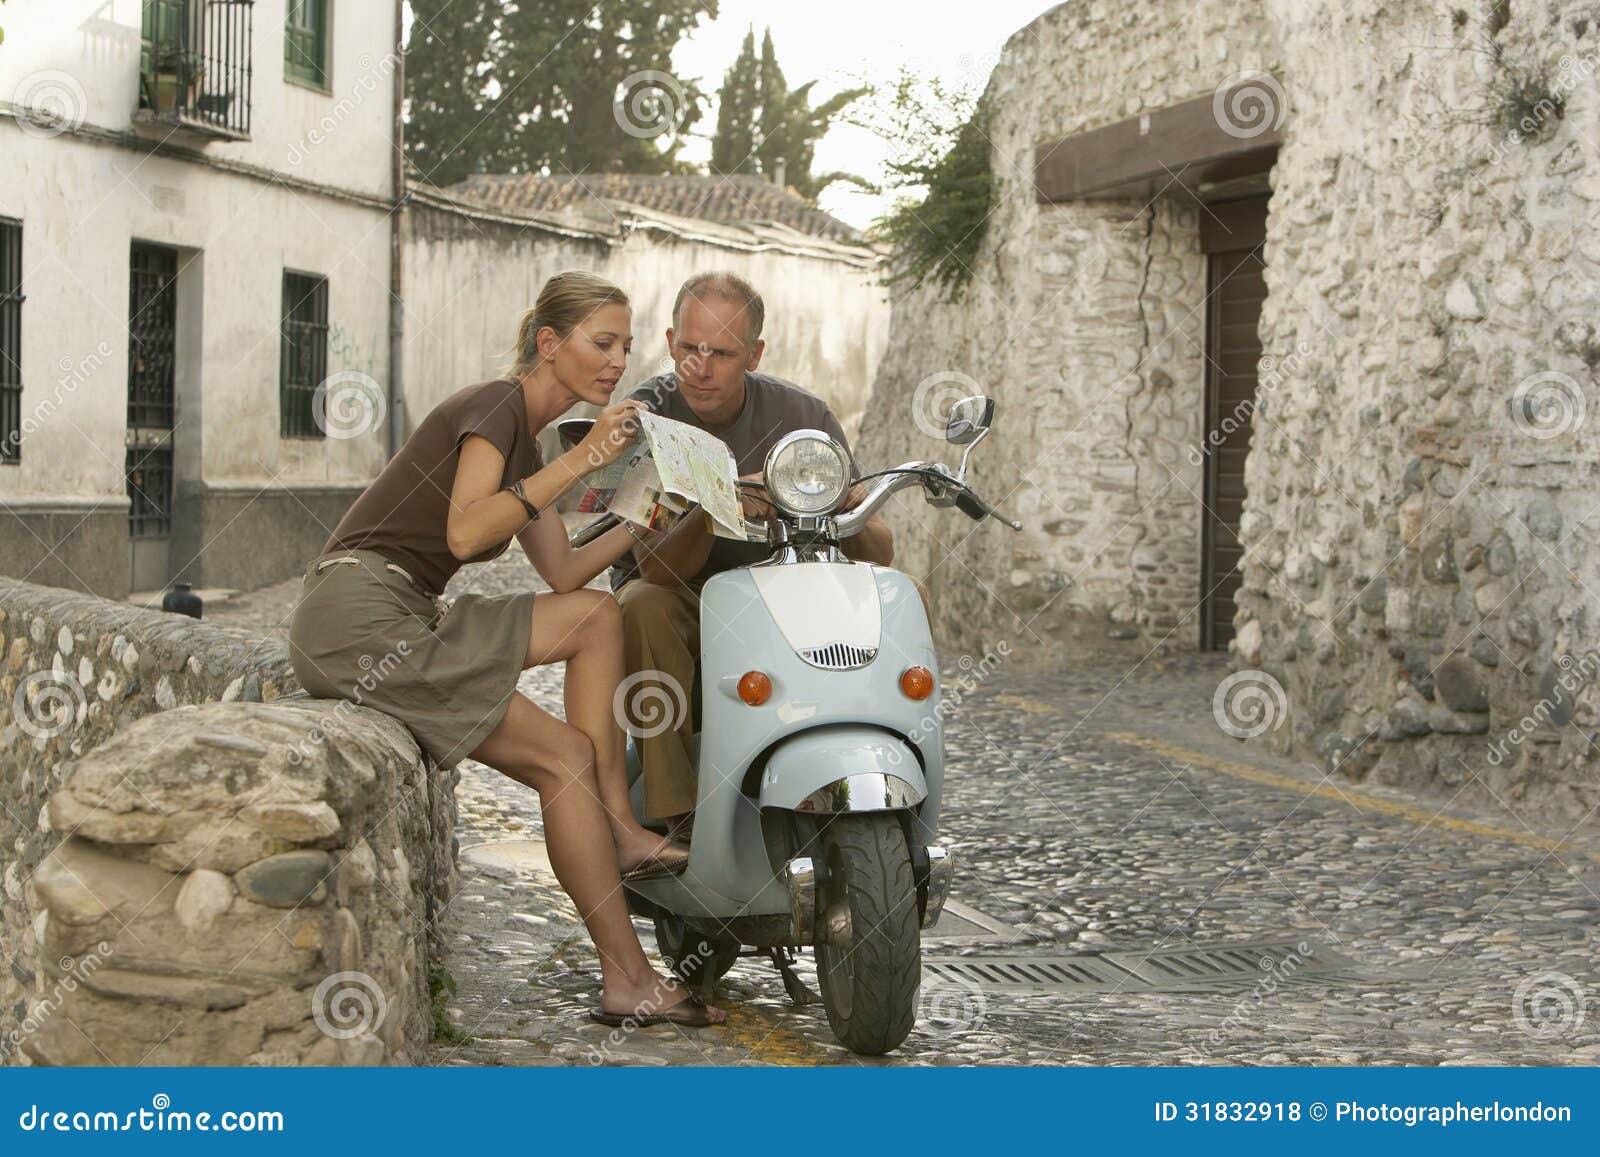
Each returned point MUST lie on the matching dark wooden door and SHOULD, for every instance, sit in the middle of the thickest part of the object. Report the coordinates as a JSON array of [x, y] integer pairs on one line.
[[1235, 290]]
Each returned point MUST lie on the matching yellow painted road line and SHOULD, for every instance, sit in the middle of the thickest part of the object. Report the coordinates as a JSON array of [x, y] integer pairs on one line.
[[770, 1044], [1345, 795]]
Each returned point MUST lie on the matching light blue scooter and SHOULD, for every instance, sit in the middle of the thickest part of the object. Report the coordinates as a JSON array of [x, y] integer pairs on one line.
[[819, 753]]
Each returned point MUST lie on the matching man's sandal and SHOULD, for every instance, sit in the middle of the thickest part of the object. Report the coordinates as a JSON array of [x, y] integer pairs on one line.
[[691, 1012]]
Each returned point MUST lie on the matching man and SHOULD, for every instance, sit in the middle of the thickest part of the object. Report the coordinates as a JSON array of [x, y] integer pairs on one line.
[[715, 343]]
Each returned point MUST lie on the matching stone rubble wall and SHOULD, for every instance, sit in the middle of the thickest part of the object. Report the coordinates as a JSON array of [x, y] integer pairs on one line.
[[202, 865], [1083, 321], [1420, 535], [1418, 590]]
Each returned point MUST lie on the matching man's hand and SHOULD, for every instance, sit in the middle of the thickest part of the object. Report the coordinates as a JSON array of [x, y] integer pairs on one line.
[[856, 496], [755, 505]]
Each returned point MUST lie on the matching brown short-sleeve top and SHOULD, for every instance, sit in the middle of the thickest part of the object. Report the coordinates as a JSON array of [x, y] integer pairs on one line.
[[403, 513]]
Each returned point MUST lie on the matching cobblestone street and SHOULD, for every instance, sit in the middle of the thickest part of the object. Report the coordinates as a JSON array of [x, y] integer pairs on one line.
[[1096, 812]]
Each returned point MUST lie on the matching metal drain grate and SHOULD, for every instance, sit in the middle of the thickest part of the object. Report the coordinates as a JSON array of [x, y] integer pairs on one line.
[[1028, 973], [1204, 965], [1160, 969]]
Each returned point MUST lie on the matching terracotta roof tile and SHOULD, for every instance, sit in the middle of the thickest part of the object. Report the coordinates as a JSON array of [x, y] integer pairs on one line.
[[731, 200]]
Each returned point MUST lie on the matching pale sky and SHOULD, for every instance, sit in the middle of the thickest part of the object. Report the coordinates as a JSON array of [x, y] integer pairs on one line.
[[840, 43]]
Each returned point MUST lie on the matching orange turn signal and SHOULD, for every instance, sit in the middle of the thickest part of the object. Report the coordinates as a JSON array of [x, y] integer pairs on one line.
[[755, 688], [916, 682]]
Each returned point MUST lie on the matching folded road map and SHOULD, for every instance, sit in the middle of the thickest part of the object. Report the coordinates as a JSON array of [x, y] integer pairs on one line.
[[669, 468]]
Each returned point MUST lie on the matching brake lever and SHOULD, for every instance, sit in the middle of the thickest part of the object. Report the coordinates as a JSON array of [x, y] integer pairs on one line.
[[977, 509]]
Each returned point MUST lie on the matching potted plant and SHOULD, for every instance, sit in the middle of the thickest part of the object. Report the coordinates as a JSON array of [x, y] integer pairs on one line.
[[177, 79]]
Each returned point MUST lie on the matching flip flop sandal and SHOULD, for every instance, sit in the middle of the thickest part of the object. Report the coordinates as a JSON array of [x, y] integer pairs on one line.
[[691, 1012], [654, 866]]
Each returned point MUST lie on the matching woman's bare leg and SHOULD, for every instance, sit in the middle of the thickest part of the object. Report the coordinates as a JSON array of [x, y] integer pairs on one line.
[[585, 628], [557, 761]]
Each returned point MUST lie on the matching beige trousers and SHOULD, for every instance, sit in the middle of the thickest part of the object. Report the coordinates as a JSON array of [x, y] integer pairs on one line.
[[661, 636]]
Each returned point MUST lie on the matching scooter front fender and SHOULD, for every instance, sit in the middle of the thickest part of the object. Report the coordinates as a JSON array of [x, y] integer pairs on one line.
[[842, 769]]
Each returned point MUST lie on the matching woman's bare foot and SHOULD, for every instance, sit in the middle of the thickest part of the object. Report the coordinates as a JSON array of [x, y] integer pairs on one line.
[[637, 845], [651, 997]]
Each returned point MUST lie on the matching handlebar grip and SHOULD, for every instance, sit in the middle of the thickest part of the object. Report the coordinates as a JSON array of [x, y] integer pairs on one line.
[[972, 506]]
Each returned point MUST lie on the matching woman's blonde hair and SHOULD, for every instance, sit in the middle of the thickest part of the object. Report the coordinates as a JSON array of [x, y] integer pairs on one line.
[[566, 299]]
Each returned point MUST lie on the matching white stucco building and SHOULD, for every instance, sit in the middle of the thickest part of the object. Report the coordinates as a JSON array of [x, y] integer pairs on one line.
[[195, 231]]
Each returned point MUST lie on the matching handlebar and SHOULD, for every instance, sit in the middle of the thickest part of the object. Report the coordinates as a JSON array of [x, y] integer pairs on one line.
[[934, 476]]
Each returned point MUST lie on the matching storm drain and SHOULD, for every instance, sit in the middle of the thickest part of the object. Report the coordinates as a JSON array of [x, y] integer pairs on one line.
[[1160, 969], [1026, 973]]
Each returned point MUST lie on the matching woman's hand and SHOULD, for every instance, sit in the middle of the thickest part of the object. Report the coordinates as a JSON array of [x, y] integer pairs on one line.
[[614, 430]]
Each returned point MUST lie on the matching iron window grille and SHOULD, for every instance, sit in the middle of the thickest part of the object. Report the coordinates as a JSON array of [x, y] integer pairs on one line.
[[194, 66], [303, 364], [149, 471], [10, 341]]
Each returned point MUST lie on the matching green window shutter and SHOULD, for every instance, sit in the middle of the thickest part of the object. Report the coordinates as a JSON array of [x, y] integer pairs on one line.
[[305, 42]]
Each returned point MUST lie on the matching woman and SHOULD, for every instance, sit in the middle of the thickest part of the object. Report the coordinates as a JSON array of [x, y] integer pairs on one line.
[[367, 627]]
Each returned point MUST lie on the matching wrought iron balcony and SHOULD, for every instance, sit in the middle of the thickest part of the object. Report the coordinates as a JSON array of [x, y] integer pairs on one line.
[[194, 69]]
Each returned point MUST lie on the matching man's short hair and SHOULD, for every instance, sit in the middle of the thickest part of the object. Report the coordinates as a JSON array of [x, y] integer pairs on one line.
[[729, 287]]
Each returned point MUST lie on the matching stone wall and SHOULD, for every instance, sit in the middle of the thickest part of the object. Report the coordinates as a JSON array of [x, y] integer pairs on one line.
[[201, 865], [1083, 321], [1420, 535], [1418, 602]]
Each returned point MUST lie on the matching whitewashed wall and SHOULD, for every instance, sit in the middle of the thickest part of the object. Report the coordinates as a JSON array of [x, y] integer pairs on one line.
[[469, 279]]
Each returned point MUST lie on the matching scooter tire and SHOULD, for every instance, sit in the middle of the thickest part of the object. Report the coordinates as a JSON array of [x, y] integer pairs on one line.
[[869, 987]]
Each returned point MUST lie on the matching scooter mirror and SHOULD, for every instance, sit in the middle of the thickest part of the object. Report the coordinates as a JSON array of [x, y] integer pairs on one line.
[[573, 430], [969, 418]]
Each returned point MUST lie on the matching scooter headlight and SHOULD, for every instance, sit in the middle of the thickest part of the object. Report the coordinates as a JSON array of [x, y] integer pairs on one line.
[[807, 473]]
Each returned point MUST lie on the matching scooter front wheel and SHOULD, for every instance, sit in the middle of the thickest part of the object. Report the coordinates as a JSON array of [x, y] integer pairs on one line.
[[869, 947]]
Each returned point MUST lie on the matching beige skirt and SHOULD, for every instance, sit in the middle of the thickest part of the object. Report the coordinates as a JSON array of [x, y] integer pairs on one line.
[[363, 632]]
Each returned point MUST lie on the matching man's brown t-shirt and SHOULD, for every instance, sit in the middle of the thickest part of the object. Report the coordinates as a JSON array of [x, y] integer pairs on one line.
[[772, 408], [404, 512]]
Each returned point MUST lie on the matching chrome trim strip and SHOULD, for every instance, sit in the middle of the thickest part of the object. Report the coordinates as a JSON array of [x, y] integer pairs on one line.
[[867, 791]]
